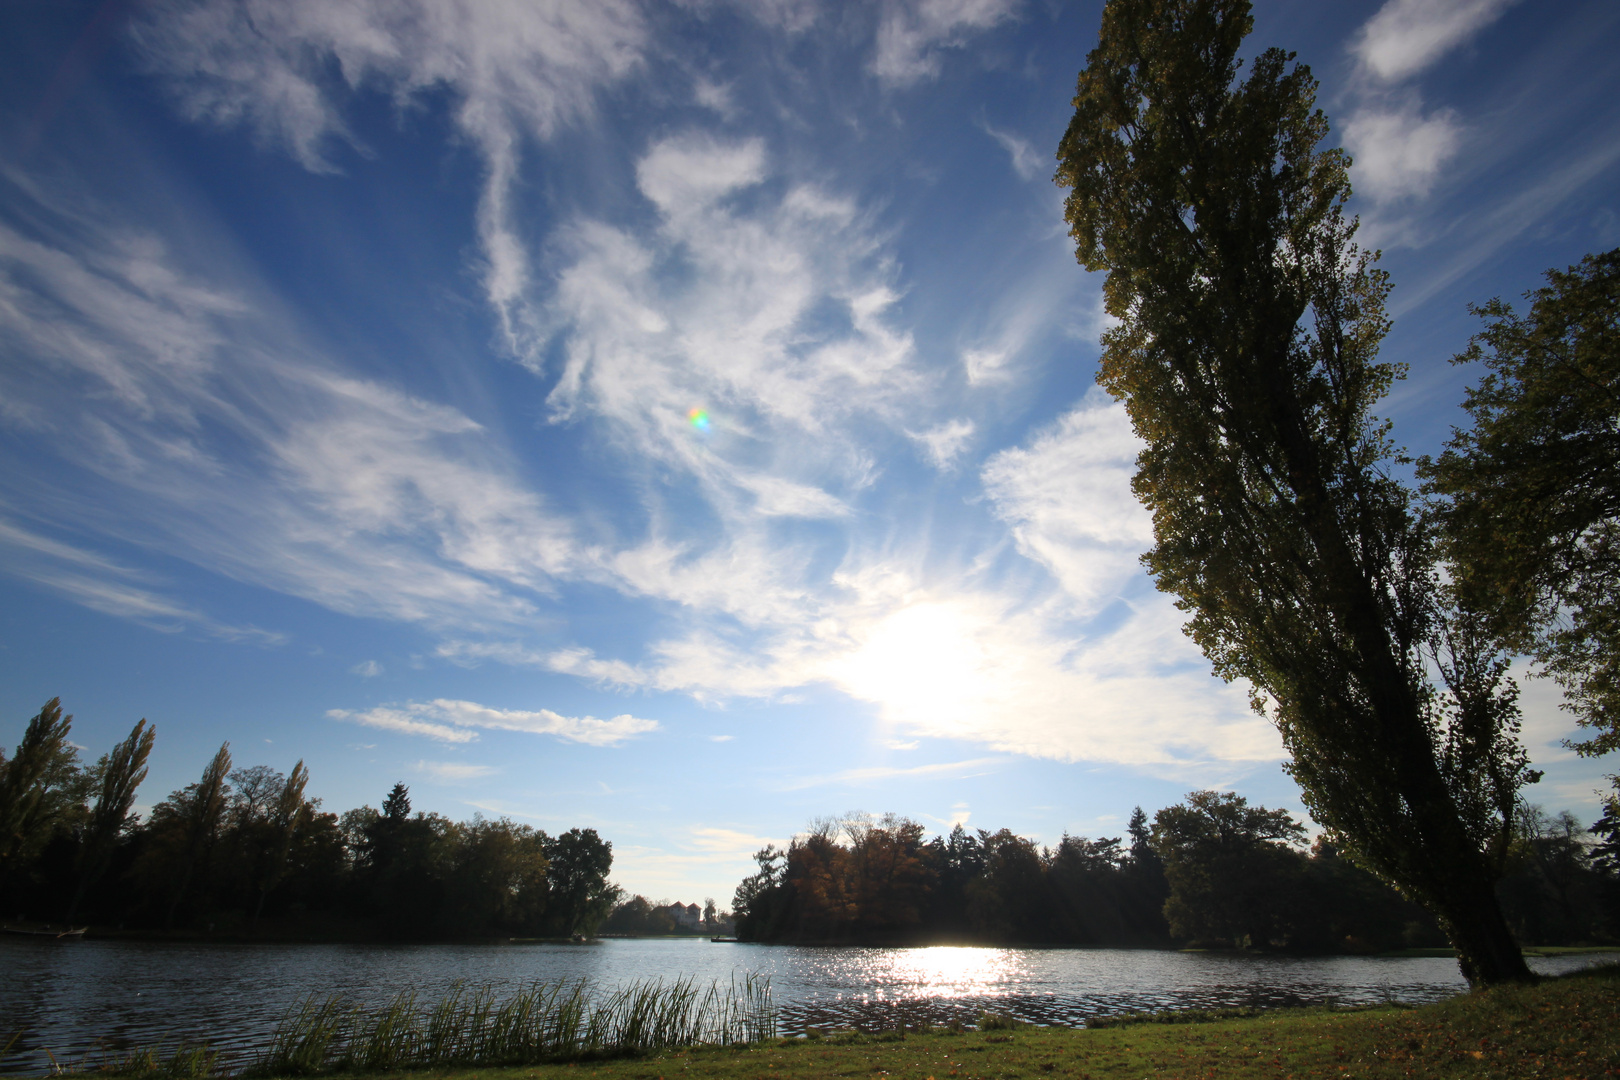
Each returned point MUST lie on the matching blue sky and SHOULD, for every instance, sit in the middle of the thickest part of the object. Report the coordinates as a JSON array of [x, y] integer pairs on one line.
[[673, 418]]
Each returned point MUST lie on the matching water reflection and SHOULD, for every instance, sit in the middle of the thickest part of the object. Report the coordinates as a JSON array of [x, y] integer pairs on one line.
[[94, 998], [943, 971]]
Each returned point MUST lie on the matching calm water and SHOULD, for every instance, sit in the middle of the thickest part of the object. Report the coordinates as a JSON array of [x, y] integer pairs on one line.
[[84, 999]]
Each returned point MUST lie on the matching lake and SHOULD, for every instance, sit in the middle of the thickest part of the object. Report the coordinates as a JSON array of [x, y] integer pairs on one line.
[[82, 1000]]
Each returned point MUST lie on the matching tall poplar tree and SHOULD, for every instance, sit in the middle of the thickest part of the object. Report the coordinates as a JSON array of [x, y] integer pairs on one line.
[[1246, 356], [120, 774]]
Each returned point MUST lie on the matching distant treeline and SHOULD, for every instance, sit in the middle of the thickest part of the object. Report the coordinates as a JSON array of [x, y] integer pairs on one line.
[[641, 917], [1210, 871], [246, 849]]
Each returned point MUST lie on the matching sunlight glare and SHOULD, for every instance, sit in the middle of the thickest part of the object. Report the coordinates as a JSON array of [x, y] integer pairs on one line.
[[926, 664], [952, 970]]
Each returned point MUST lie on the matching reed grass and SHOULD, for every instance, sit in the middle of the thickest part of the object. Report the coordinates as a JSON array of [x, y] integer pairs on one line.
[[186, 1061], [561, 1021]]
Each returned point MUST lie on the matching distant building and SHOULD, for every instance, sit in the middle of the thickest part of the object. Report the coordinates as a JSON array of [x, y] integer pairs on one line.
[[686, 916]]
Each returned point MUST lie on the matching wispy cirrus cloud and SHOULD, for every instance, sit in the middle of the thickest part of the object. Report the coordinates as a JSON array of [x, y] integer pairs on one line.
[[288, 69], [102, 584], [203, 428], [1025, 160], [1068, 499], [744, 289], [454, 772], [946, 442], [870, 774], [459, 722]]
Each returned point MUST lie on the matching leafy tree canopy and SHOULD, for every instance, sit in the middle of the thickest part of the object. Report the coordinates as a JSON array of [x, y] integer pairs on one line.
[[1531, 493]]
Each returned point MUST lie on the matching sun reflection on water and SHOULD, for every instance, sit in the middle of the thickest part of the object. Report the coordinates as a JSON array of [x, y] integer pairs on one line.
[[951, 971]]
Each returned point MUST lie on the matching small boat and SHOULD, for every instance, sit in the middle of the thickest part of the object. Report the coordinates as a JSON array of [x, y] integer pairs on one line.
[[70, 933], [722, 939]]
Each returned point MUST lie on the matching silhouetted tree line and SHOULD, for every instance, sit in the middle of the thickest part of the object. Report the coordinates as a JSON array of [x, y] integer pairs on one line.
[[1211, 870], [243, 846]]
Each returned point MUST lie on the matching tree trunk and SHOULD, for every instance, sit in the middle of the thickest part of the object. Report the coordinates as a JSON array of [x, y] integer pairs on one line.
[[1486, 951]]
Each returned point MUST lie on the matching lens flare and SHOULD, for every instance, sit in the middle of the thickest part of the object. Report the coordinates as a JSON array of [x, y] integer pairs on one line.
[[699, 419]]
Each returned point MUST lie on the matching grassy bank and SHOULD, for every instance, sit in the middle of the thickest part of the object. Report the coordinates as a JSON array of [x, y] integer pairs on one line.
[[1567, 1027]]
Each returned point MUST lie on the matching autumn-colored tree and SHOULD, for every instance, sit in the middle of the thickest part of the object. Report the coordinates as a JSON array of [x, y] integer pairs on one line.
[[890, 879]]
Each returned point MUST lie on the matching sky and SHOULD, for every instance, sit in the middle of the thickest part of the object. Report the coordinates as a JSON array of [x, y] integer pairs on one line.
[[673, 418]]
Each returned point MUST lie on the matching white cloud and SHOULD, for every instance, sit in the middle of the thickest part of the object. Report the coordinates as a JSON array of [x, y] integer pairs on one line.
[[1026, 162], [453, 772], [367, 669], [1406, 36], [1069, 501], [454, 721], [984, 365], [371, 501], [945, 443], [403, 722], [716, 97], [721, 738], [1399, 153], [685, 176], [769, 317], [516, 71], [911, 34]]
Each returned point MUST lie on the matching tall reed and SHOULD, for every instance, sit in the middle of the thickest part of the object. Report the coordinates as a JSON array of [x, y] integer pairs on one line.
[[558, 1021]]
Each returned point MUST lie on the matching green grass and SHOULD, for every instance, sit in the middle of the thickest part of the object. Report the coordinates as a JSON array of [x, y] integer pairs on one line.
[[1567, 1027]]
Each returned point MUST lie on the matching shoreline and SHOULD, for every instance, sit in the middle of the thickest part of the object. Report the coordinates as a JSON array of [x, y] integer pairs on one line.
[[273, 935]]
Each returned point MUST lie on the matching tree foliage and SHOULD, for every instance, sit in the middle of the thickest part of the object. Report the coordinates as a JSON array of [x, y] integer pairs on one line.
[[1530, 509], [1228, 865], [1246, 357], [120, 774], [247, 844], [1236, 877], [37, 791], [581, 895]]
